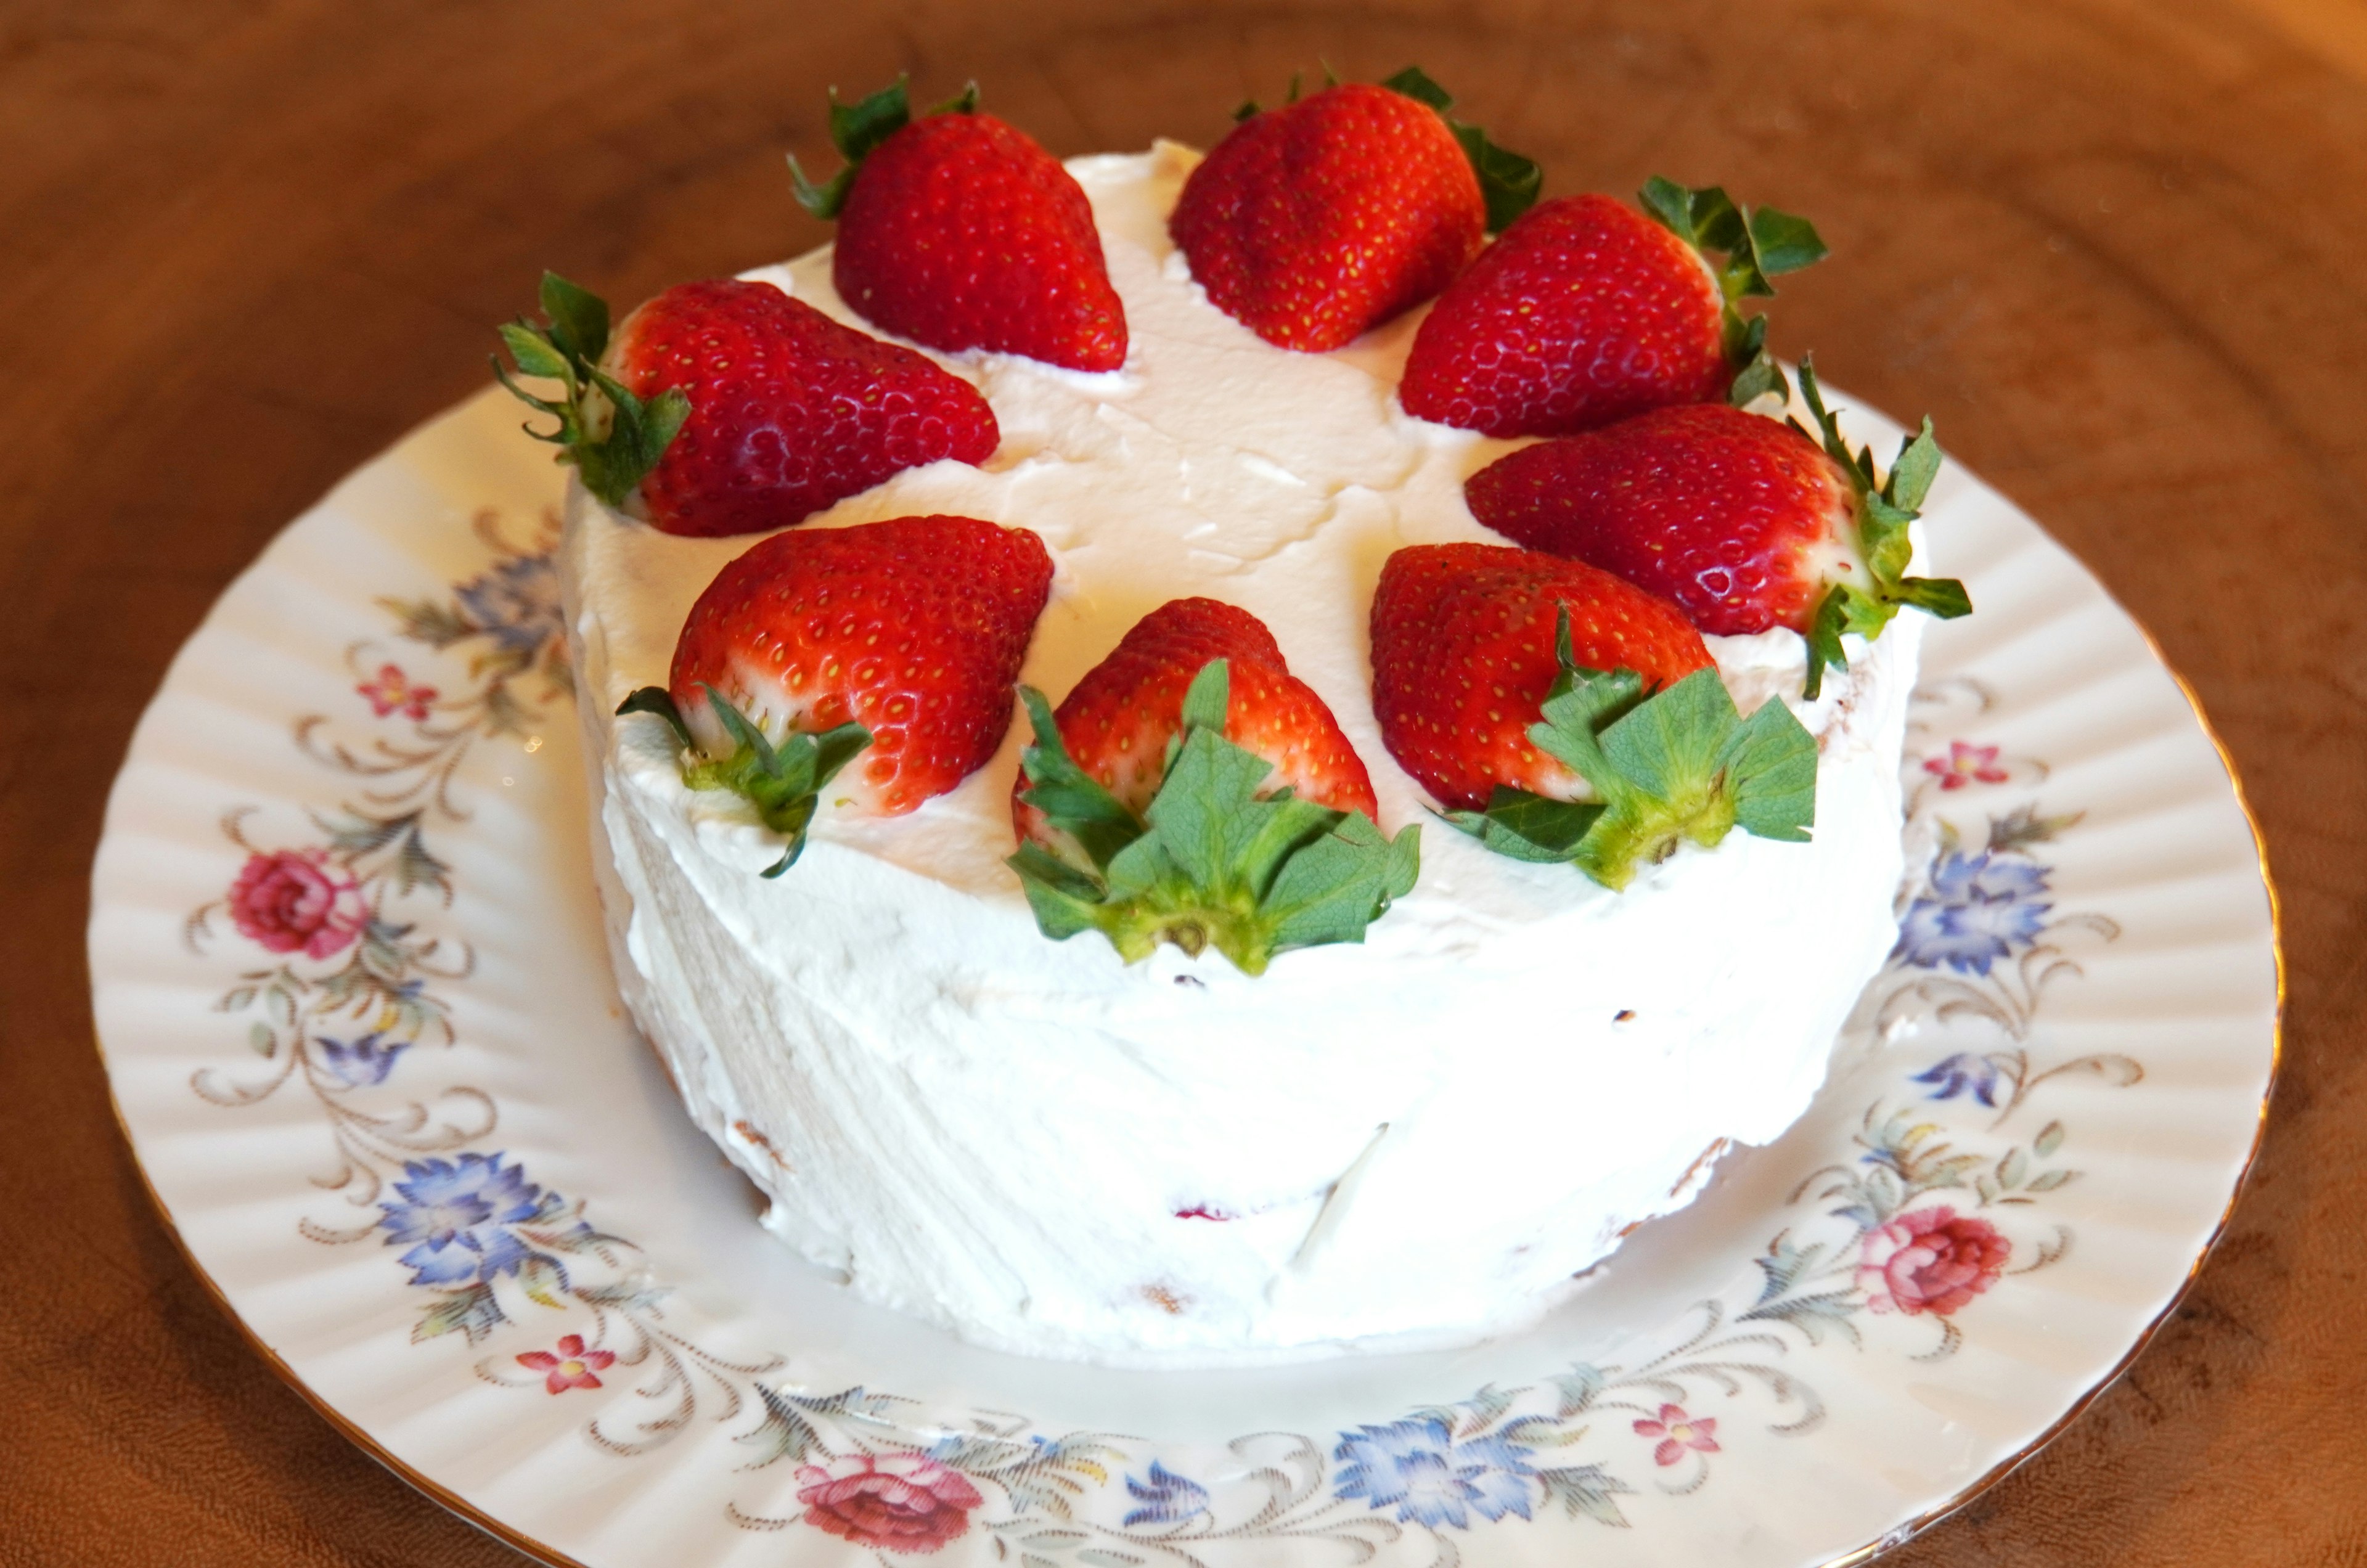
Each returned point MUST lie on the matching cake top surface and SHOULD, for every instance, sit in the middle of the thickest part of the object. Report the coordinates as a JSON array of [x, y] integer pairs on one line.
[[1213, 464]]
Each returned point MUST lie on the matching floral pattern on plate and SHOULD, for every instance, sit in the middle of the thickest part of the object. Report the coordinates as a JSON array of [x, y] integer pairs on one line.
[[1927, 1216]]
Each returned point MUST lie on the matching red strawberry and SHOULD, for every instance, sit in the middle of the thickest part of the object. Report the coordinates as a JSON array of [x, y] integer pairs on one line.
[[1311, 223], [1746, 523], [1118, 720], [1585, 311], [1741, 520], [901, 638], [730, 408], [956, 230], [1463, 655], [1567, 717], [1190, 790]]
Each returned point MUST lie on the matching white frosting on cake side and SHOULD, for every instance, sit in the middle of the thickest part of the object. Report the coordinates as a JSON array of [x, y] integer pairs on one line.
[[1414, 1140]]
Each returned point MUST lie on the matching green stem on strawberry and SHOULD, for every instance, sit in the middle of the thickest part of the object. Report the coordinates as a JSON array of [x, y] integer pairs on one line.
[[1251, 106], [1885, 508], [857, 129], [1209, 863], [1509, 183], [1676, 764], [784, 783], [612, 437], [1756, 245]]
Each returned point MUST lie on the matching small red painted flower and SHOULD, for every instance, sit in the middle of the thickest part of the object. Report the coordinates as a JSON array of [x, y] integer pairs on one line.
[[1965, 765], [896, 1502], [293, 901], [392, 690], [572, 1366], [1678, 1432], [1931, 1260]]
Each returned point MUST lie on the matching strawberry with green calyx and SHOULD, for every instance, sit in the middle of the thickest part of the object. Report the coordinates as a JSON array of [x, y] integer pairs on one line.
[[784, 783], [1886, 508], [1746, 523], [1674, 765], [1742, 521], [1206, 802], [728, 407], [1757, 244], [956, 230], [611, 436], [857, 129], [1463, 656], [1586, 312], [897, 641], [1311, 223], [1507, 182]]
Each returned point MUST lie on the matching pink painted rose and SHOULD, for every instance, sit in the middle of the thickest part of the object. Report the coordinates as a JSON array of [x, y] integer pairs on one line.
[[393, 690], [1965, 766], [571, 1366], [1931, 1260], [1679, 1433], [896, 1502], [295, 900]]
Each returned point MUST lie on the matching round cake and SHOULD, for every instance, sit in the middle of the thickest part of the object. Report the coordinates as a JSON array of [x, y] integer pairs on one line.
[[1416, 1139]]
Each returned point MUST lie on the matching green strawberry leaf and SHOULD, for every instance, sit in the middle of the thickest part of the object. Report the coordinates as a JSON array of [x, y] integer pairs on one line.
[[1783, 243], [856, 129], [1065, 901], [1529, 827], [1911, 473], [659, 701], [1670, 747], [1414, 83], [1210, 862], [1761, 375], [1885, 510], [822, 202], [1334, 884], [1250, 107], [784, 783], [1509, 183], [1207, 698], [612, 437], [639, 433], [1942, 597], [1671, 206], [1072, 799], [1824, 639], [535, 354], [1676, 764], [1756, 245], [1771, 761], [579, 318]]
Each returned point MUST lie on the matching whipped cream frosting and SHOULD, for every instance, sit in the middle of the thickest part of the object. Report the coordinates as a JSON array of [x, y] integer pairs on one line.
[[1412, 1141]]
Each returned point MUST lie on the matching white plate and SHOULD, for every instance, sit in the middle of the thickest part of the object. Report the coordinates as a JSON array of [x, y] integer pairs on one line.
[[422, 1157]]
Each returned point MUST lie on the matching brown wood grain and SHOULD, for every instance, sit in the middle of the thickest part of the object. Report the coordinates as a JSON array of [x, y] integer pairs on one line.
[[2112, 245]]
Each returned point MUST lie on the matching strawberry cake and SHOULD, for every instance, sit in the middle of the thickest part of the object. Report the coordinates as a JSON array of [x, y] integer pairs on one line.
[[1146, 849]]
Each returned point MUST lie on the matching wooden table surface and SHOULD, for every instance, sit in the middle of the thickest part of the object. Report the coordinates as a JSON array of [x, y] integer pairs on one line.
[[2114, 246]]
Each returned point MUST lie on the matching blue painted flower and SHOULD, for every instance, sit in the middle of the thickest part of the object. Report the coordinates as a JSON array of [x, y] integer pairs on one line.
[[361, 1063], [1417, 1467], [1962, 1073], [516, 602], [455, 1217], [1980, 909], [1167, 1498]]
